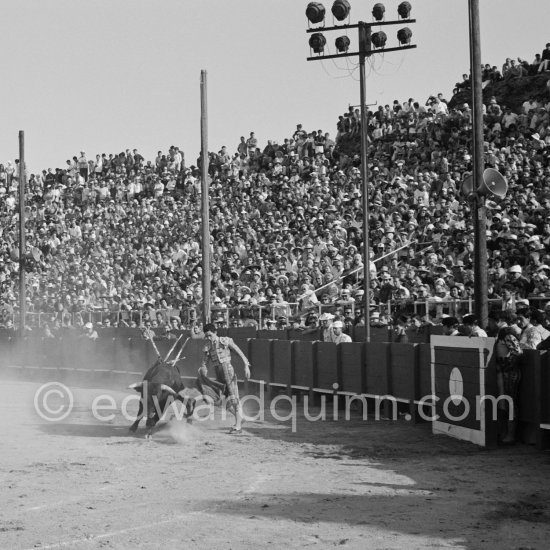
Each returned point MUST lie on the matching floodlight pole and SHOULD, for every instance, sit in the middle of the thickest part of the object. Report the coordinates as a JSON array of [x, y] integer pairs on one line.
[[206, 313], [365, 50], [479, 211], [22, 236]]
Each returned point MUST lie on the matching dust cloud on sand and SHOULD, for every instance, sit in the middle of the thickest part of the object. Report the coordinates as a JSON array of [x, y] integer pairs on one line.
[[83, 484], [184, 433]]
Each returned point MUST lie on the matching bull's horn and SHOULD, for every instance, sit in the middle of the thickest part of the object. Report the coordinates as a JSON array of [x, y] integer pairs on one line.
[[138, 386], [168, 389]]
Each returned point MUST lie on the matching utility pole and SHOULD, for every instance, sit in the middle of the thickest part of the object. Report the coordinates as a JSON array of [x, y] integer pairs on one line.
[[205, 188], [364, 51], [315, 14], [479, 211], [22, 236]]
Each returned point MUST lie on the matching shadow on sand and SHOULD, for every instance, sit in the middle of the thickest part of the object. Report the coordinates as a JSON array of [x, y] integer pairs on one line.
[[86, 430]]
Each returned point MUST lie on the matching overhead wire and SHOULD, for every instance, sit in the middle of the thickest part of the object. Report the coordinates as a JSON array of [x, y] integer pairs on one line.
[[349, 72], [384, 62], [351, 67], [345, 58]]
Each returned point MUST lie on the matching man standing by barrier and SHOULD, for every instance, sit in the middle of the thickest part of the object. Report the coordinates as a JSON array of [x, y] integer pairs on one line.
[[470, 322], [338, 336], [89, 332], [217, 352], [400, 332], [326, 326], [450, 326]]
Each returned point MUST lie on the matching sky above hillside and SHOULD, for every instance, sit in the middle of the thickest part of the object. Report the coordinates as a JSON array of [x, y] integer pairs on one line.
[[106, 75]]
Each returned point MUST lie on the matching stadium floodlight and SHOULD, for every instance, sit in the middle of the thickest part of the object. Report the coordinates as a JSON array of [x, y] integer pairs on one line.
[[341, 9], [317, 42], [378, 11], [342, 44], [368, 43], [379, 39], [404, 10], [404, 35], [315, 12]]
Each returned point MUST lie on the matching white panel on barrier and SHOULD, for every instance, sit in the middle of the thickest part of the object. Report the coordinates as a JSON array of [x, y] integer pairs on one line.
[[458, 372]]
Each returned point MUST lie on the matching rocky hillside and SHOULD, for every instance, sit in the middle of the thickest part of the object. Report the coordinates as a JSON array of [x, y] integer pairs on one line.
[[509, 93]]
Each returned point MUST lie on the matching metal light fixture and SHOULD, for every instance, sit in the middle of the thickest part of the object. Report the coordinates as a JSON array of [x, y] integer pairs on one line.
[[341, 9], [368, 43], [317, 42], [378, 11], [404, 10], [342, 44], [379, 39], [404, 35], [315, 12]]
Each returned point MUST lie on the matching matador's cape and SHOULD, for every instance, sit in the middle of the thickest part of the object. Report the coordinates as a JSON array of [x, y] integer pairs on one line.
[[210, 388]]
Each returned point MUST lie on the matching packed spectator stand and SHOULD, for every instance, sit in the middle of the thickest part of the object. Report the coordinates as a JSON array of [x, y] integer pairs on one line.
[[115, 239]]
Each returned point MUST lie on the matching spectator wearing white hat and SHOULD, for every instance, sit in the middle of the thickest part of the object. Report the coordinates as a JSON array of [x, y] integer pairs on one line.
[[523, 285], [337, 335], [345, 297], [89, 332], [375, 320], [325, 322]]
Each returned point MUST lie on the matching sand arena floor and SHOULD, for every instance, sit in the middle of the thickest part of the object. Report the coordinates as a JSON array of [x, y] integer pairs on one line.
[[81, 483]]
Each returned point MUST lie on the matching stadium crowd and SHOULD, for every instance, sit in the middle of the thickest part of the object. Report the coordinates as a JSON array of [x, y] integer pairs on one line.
[[116, 238]]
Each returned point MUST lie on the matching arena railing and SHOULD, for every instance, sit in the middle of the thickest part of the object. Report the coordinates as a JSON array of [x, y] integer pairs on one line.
[[454, 307], [256, 312], [188, 317]]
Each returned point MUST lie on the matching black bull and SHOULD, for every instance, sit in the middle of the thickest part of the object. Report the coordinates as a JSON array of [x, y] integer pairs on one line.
[[160, 387]]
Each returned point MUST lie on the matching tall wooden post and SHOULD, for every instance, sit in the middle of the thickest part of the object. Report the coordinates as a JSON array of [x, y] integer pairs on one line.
[[206, 275], [22, 243], [479, 212], [364, 49]]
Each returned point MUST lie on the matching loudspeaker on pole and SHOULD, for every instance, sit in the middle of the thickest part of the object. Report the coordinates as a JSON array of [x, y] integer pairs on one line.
[[493, 184]]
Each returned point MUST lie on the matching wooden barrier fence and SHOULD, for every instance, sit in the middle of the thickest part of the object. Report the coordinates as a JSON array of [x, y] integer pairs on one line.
[[402, 371]]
